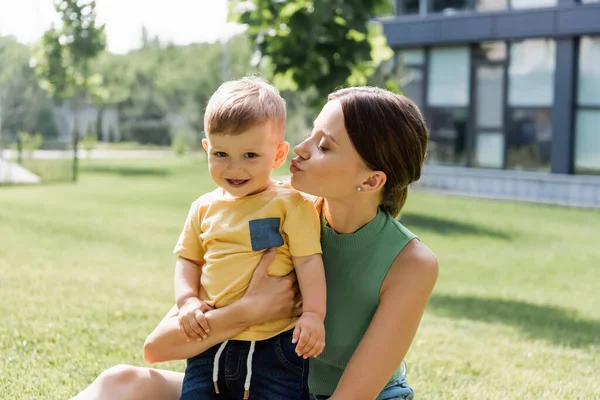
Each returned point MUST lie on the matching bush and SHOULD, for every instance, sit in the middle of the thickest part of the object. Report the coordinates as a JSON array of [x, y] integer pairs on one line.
[[29, 143]]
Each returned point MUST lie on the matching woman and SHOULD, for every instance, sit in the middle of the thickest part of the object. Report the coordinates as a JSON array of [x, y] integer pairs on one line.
[[367, 146]]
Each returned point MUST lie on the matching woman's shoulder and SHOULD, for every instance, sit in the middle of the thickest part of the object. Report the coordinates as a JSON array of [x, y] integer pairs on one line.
[[414, 264]]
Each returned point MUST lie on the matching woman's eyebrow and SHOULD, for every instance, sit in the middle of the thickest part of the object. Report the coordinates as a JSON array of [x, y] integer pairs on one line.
[[325, 133]]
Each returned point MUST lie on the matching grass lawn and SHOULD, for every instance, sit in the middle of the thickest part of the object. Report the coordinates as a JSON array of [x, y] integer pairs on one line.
[[86, 272]]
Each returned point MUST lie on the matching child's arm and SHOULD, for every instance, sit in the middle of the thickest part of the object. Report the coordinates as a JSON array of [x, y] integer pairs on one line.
[[310, 331], [192, 321]]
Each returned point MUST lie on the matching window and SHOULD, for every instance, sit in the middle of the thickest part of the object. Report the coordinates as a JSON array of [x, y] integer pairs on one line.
[[447, 104], [449, 77], [587, 120], [489, 150], [489, 60], [409, 74], [531, 73], [588, 93], [449, 6], [489, 116], [447, 139], [521, 4], [407, 7], [490, 101], [491, 5], [529, 139], [530, 98]]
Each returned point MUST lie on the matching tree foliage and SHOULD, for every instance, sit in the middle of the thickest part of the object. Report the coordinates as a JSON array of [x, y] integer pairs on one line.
[[24, 106], [317, 44], [63, 63]]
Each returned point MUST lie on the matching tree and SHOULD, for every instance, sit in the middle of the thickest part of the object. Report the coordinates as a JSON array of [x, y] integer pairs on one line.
[[24, 106], [63, 65], [320, 44]]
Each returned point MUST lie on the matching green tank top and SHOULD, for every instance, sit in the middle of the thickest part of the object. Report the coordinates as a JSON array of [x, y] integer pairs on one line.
[[355, 267]]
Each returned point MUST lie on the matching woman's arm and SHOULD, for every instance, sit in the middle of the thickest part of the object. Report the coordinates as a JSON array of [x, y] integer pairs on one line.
[[266, 299], [402, 300]]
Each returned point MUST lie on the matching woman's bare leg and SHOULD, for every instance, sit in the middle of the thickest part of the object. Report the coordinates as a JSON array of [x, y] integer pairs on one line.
[[125, 382]]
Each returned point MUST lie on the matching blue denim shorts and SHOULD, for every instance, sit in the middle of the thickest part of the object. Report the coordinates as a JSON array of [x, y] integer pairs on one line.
[[397, 390], [278, 373]]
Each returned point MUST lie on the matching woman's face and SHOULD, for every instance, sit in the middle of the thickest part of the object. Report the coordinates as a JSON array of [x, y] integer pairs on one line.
[[327, 164]]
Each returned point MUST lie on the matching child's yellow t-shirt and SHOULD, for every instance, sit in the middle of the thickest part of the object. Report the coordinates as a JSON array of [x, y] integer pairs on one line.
[[230, 236]]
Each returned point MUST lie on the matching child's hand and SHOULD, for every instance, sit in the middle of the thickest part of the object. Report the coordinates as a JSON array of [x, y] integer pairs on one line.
[[192, 321], [309, 334]]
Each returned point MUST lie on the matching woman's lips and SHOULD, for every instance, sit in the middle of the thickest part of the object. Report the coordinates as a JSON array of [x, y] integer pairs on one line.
[[294, 167]]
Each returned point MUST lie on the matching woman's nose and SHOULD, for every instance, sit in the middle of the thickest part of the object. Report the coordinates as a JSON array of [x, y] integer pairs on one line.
[[301, 150]]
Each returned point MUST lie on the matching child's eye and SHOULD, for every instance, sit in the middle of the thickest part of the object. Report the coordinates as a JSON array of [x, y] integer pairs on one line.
[[251, 155], [220, 154]]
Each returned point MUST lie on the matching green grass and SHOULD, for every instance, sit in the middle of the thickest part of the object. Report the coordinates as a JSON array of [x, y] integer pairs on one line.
[[86, 272], [129, 146], [60, 170]]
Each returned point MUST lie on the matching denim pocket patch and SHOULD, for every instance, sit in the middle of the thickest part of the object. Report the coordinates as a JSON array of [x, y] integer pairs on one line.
[[264, 233]]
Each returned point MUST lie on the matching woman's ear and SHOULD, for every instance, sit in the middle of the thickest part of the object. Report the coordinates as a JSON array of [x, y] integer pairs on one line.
[[374, 181], [281, 154]]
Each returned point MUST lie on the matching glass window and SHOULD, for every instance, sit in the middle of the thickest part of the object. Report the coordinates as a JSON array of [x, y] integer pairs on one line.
[[589, 72], [587, 142], [411, 83], [490, 99], [490, 52], [529, 139], [409, 77], [520, 4], [531, 73], [407, 7], [449, 6], [448, 77], [412, 57], [491, 5], [447, 137], [489, 150]]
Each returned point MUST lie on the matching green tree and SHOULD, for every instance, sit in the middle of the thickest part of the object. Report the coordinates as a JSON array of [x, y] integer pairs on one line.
[[316, 44], [63, 65], [24, 105]]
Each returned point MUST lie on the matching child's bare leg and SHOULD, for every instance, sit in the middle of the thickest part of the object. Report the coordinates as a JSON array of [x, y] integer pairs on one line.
[[125, 382]]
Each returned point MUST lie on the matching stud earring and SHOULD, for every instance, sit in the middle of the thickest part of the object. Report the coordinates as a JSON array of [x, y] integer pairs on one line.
[[359, 189]]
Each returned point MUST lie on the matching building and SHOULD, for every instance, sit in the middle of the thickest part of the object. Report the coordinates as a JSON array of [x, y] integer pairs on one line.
[[511, 90]]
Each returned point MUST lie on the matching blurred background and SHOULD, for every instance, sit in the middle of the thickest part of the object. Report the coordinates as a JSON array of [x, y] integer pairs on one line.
[[101, 109]]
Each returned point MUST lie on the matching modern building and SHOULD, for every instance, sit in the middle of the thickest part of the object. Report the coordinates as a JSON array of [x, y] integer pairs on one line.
[[511, 90]]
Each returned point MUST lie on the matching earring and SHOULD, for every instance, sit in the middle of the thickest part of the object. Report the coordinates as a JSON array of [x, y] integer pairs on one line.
[[359, 189]]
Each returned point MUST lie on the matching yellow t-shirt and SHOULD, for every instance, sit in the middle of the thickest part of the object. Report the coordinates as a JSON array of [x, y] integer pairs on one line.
[[231, 234]]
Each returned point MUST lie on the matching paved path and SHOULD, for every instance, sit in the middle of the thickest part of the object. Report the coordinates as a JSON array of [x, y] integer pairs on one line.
[[95, 154]]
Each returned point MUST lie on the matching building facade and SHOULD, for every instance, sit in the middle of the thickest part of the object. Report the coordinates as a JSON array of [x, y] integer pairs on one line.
[[511, 90]]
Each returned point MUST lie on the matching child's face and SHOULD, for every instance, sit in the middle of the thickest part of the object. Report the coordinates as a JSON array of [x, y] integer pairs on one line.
[[241, 164]]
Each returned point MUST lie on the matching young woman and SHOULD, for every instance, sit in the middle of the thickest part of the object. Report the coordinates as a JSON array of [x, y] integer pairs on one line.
[[367, 146]]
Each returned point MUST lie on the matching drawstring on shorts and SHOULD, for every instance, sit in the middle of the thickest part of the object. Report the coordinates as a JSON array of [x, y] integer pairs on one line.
[[248, 368]]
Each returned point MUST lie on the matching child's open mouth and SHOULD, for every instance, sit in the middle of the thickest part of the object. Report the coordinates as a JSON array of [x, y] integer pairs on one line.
[[237, 182]]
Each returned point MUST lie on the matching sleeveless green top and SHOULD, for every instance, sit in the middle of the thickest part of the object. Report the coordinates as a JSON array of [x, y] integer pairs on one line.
[[355, 267]]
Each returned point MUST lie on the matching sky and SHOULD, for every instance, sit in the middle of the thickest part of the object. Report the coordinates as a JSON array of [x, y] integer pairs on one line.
[[181, 21]]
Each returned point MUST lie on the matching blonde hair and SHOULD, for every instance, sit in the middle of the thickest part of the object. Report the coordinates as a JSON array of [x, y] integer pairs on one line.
[[239, 104]]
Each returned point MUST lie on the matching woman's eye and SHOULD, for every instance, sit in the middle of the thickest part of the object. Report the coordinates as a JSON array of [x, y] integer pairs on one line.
[[251, 155], [220, 154], [321, 148]]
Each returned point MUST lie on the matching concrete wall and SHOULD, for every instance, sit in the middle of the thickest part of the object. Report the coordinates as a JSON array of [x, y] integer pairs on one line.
[[540, 187]]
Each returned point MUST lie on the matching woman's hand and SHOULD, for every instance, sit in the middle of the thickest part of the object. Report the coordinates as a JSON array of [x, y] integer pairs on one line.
[[272, 298]]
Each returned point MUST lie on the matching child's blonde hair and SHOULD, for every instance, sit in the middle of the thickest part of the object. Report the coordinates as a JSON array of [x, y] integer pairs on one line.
[[239, 104]]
